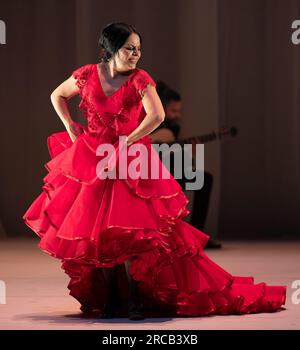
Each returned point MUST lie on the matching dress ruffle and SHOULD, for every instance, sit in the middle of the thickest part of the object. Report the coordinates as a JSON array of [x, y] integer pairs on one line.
[[91, 223], [74, 207]]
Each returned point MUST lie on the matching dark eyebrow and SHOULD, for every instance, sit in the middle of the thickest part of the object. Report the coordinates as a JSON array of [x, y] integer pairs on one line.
[[134, 45]]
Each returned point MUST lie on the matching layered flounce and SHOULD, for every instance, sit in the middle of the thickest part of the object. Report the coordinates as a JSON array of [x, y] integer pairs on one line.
[[90, 223]]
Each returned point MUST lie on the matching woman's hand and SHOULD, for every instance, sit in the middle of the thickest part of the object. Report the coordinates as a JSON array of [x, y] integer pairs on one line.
[[145, 138], [74, 129], [128, 142]]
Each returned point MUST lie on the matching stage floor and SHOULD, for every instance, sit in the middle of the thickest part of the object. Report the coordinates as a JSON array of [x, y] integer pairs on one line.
[[37, 296]]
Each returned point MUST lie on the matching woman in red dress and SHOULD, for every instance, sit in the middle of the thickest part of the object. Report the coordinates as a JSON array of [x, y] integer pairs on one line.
[[123, 242]]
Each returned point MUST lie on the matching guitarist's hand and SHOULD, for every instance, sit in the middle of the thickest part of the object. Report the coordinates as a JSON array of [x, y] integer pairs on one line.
[[162, 135]]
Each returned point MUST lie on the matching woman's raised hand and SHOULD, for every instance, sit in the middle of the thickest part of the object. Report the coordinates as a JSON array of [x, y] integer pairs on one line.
[[74, 129]]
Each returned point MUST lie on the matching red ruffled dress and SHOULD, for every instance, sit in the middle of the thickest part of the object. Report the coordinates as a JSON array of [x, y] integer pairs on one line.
[[89, 222]]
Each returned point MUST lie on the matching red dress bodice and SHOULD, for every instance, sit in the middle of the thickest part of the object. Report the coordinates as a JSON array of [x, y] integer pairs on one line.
[[114, 115]]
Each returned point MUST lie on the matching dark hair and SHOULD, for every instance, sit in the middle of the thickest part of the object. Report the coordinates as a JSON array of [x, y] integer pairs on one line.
[[113, 37], [166, 94]]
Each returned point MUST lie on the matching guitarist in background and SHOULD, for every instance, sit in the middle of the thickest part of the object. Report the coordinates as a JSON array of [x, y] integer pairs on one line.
[[168, 131]]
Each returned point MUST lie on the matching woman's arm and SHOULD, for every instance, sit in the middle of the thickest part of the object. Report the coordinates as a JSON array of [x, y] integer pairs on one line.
[[155, 115], [59, 98]]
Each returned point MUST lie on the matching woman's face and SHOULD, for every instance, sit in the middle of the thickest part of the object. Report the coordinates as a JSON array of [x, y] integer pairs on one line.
[[129, 54]]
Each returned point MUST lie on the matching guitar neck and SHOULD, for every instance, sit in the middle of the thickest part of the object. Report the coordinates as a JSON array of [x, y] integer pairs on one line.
[[196, 139]]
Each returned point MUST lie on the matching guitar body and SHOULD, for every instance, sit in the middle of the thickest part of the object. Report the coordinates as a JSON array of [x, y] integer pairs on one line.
[[165, 135]]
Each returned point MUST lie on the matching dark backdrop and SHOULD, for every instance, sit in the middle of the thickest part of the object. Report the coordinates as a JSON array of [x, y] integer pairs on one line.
[[233, 62]]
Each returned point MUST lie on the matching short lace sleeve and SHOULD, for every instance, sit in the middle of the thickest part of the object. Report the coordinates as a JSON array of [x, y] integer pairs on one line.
[[81, 75], [141, 81]]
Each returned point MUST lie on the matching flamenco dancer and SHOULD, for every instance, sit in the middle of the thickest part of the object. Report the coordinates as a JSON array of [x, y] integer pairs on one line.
[[123, 242]]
